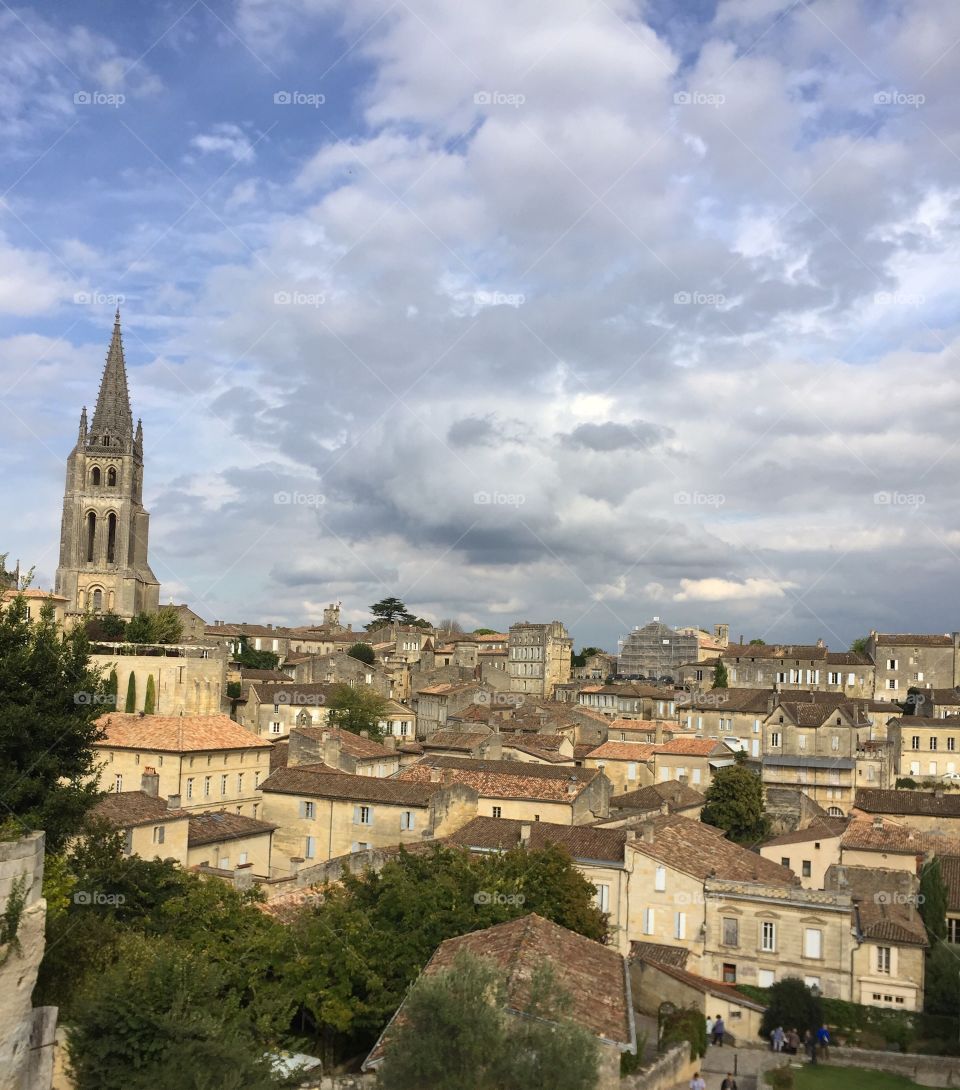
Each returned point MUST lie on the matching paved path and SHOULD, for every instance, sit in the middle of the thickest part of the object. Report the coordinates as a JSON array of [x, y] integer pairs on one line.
[[742, 1062]]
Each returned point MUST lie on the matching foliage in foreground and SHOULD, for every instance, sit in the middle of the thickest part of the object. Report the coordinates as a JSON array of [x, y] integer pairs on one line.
[[735, 803]]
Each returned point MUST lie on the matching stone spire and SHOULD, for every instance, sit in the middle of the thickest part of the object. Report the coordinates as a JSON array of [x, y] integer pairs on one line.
[[83, 425], [112, 416]]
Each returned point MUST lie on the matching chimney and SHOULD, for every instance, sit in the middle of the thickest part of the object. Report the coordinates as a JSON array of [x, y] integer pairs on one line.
[[878, 822], [447, 777], [243, 876], [647, 832], [434, 775], [658, 733], [390, 741], [295, 863], [173, 802], [820, 642], [150, 782], [524, 833], [664, 807]]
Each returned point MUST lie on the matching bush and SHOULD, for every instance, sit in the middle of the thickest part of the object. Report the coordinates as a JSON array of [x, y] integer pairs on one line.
[[780, 1078], [905, 783], [791, 1004], [687, 1024]]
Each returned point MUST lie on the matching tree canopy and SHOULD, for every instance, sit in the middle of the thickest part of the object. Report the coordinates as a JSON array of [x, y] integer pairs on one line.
[[720, 676], [735, 803], [859, 645], [363, 652], [932, 900], [162, 626], [388, 610], [256, 660], [357, 708], [791, 1005]]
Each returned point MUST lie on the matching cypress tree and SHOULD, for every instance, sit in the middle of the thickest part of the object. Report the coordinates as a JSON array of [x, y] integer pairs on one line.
[[131, 704], [150, 700]]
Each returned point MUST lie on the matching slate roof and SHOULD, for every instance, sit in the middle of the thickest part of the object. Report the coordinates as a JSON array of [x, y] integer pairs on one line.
[[321, 781], [583, 842], [703, 852], [592, 975], [125, 809], [505, 779], [874, 800], [174, 733], [212, 826]]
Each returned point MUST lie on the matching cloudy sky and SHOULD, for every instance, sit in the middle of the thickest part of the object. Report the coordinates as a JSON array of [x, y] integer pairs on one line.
[[590, 309]]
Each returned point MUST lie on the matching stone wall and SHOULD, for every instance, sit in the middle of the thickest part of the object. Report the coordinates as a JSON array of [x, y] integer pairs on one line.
[[673, 1068], [26, 1035], [925, 1070]]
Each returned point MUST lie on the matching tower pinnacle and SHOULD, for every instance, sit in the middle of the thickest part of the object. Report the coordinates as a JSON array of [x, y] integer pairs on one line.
[[112, 417]]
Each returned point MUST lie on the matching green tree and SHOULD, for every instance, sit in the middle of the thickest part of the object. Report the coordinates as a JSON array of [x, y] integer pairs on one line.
[[485, 632], [357, 709], [150, 697], [859, 646], [792, 1005], [113, 689], [167, 625], [388, 610], [757, 642], [162, 1018], [130, 704], [537, 1048], [256, 660], [140, 629], [107, 627], [49, 700], [720, 677], [932, 900], [941, 987], [363, 652], [735, 803]]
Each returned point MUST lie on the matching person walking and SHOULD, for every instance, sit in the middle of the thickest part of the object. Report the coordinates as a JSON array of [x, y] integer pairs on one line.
[[719, 1029], [793, 1042], [777, 1038], [729, 1083], [697, 1082], [810, 1045], [709, 1030], [823, 1040]]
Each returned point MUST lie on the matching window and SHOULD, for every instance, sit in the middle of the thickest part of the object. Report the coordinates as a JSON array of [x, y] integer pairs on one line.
[[602, 898], [362, 815], [806, 869], [648, 921], [241, 859], [190, 788], [892, 683], [239, 782], [768, 936], [660, 879], [731, 932], [784, 862], [206, 787], [696, 775], [774, 739], [951, 744], [631, 770], [308, 809], [275, 728], [883, 959], [953, 930], [158, 834], [835, 742], [95, 476], [729, 973], [309, 848], [91, 543], [497, 811], [256, 779], [812, 981], [892, 664], [224, 862], [118, 782], [679, 925], [812, 942], [407, 820], [766, 978], [223, 784]]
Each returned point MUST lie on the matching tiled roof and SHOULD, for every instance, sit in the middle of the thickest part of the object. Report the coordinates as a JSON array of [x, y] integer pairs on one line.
[[32, 592], [310, 694], [874, 800], [847, 658], [530, 745], [505, 779], [124, 809], [581, 841], [679, 796], [774, 651], [660, 953], [354, 745], [865, 836], [950, 869], [696, 849], [906, 639], [320, 781], [591, 974], [279, 755], [809, 714], [464, 740], [623, 751], [819, 829], [692, 747], [174, 733], [703, 984], [212, 826], [728, 700], [885, 902], [446, 689], [534, 740]]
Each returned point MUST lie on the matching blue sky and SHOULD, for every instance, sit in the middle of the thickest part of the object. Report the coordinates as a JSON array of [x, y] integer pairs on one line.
[[590, 311]]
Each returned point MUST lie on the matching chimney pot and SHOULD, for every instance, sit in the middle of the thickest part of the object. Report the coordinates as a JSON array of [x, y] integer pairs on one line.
[[173, 802], [150, 782]]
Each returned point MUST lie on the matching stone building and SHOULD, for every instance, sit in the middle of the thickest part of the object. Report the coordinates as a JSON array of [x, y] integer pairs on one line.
[[187, 680], [913, 660], [538, 657], [655, 650], [103, 537]]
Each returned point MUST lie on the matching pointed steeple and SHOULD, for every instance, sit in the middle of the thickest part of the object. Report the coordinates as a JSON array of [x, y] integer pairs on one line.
[[112, 416], [83, 424]]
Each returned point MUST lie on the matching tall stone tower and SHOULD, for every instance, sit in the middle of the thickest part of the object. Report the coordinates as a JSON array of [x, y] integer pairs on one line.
[[103, 536]]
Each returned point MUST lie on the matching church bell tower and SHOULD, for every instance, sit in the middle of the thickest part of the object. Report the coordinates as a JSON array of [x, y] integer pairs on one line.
[[103, 537]]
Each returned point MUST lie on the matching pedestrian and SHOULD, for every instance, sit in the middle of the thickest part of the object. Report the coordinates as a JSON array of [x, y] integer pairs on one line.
[[729, 1083], [697, 1083], [823, 1040], [777, 1039], [793, 1042], [709, 1030], [718, 1031], [810, 1045]]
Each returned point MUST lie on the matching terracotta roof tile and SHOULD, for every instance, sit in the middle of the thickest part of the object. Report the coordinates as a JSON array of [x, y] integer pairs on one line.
[[320, 781], [124, 809], [581, 841], [174, 733], [693, 747], [354, 745], [907, 639], [676, 794], [212, 826], [505, 779], [865, 836], [623, 751], [874, 800], [468, 741]]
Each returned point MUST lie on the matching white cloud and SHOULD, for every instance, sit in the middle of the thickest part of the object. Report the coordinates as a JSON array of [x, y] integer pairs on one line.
[[729, 590]]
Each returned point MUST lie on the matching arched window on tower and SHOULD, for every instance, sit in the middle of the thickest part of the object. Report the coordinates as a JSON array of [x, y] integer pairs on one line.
[[112, 477], [95, 476], [91, 535], [97, 601], [111, 537]]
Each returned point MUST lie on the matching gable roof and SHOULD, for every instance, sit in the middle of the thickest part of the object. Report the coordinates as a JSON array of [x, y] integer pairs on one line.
[[354, 745], [677, 795], [126, 809], [506, 779], [809, 714], [594, 976], [464, 740], [622, 751], [321, 781], [583, 842], [174, 733], [693, 747], [818, 829], [866, 836], [875, 800], [703, 852], [212, 826], [885, 902], [907, 639], [703, 984]]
